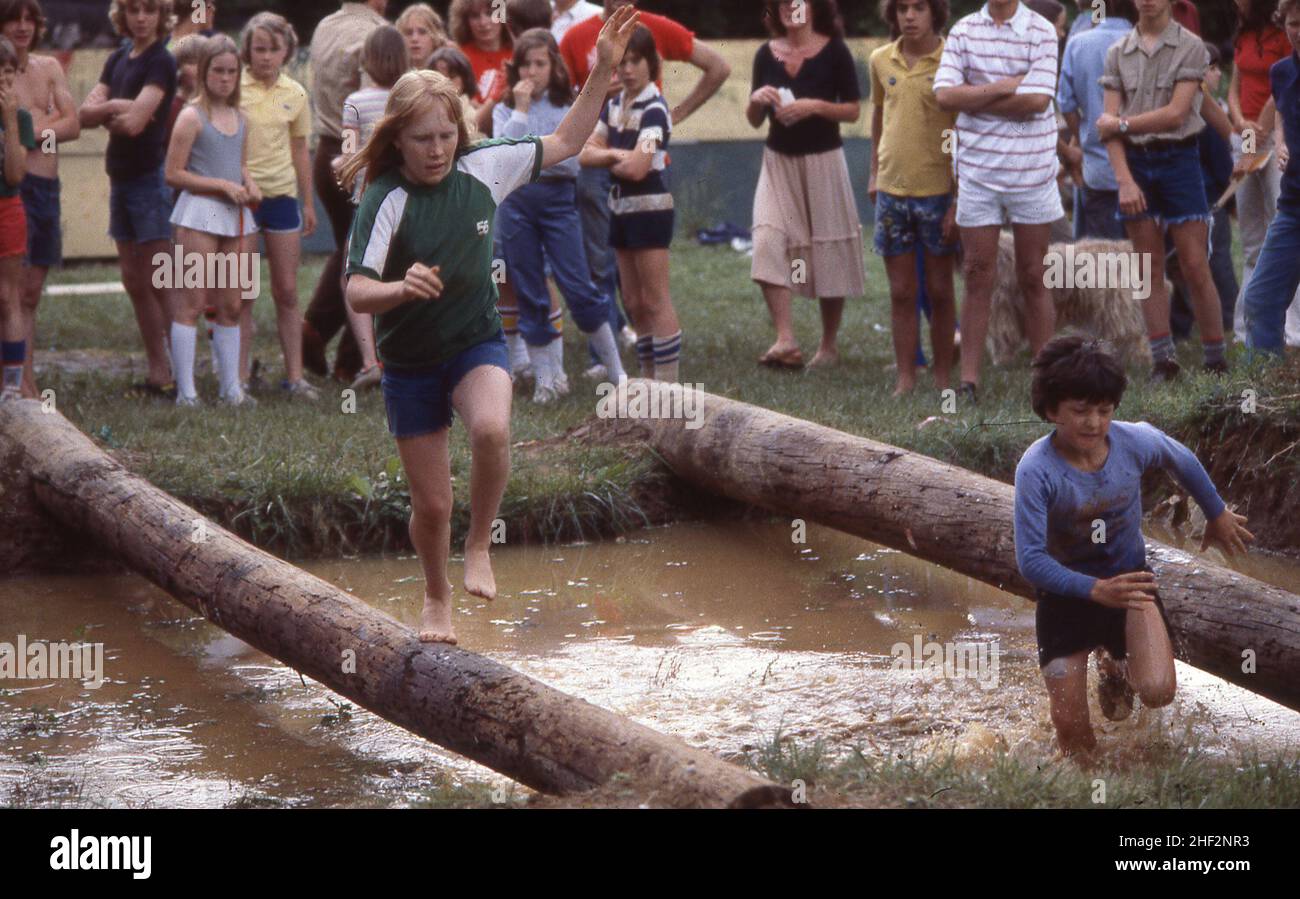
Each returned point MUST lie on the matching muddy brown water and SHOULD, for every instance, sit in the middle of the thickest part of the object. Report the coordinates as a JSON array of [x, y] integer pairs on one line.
[[721, 634]]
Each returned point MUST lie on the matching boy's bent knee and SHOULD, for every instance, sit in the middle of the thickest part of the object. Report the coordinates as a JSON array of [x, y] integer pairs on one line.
[[1156, 695]]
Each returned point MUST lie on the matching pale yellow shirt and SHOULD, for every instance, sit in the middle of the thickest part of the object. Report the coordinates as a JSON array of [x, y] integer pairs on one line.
[[912, 161], [336, 63], [275, 115]]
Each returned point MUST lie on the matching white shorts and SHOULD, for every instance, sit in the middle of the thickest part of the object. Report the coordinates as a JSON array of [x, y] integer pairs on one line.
[[978, 205]]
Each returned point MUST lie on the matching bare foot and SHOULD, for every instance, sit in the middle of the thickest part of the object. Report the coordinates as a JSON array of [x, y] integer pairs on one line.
[[903, 388], [824, 359], [479, 580], [782, 349], [435, 620]]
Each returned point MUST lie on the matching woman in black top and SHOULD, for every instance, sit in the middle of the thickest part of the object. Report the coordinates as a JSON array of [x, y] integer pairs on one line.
[[807, 236]]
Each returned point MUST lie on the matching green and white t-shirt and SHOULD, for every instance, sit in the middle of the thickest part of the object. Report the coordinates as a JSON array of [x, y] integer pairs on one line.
[[450, 225], [26, 137]]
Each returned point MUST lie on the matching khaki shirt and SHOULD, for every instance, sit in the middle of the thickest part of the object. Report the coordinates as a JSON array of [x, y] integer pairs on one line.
[[336, 63], [1145, 79]]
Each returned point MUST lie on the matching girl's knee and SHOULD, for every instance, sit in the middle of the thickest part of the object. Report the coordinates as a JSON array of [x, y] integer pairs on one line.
[[431, 506], [284, 296], [489, 434]]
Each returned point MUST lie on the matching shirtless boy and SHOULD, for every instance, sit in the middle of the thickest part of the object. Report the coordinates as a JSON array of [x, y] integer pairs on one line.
[[43, 90]]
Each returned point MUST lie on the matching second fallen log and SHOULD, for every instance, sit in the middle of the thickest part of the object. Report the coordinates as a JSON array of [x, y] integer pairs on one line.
[[1224, 622]]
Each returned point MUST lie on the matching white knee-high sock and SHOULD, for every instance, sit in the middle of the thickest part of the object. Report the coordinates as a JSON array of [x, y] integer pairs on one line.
[[183, 340], [668, 351], [606, 347], [225, 339], [521, 353], [543, 362], [556, 351]]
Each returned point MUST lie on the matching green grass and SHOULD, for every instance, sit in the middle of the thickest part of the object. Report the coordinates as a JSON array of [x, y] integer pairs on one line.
[[1175, 773], [306, 480]]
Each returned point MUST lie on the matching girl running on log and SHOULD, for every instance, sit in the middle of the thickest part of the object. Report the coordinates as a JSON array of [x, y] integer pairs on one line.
[[420, 259]]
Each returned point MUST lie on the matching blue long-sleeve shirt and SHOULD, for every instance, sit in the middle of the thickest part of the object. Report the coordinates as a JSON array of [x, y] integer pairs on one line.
[[1057, 505], [542, 118]]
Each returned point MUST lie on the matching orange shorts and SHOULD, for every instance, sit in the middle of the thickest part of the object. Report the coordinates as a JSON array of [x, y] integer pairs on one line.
[[13, 227]]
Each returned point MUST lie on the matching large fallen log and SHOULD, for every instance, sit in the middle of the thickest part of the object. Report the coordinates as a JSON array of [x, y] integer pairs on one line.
[[1226, 623], [472, 705]]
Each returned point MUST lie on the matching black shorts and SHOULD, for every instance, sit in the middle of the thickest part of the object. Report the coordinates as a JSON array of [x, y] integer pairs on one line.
[[1067, 625]]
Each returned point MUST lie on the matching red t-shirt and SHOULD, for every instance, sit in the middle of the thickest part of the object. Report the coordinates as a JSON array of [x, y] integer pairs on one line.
[[489, 71], [675, 43], [1185, 14], [1254, 54]]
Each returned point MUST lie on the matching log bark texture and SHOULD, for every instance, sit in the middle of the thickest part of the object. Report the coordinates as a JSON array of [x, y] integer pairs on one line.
[[955, 518], [470, 704]]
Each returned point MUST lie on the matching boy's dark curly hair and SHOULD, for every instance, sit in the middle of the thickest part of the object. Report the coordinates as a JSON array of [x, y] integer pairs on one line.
[[1075, 367], [939, 13]]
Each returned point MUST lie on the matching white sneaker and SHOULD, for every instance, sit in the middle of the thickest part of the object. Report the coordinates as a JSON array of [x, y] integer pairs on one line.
[[241, 399], [301, 390], [597, 372], [189, 401], [544, 396], [627, 337], [562, 384]]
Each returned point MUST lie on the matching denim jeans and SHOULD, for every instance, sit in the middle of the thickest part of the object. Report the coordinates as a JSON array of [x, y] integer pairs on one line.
[[1222, 273], [1274, 281], [543, 218], [593, 208], [1099, 215]]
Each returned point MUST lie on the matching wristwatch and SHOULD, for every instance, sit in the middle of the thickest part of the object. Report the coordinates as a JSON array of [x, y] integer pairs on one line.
[[1123, 126]]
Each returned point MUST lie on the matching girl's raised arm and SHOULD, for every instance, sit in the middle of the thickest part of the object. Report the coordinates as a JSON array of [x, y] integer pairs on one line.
[[572, 133]]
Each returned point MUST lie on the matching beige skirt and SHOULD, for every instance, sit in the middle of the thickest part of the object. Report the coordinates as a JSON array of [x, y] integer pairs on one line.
[[807, 236]]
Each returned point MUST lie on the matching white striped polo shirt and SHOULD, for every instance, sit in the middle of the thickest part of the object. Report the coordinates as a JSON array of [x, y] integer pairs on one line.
[[996, 152]]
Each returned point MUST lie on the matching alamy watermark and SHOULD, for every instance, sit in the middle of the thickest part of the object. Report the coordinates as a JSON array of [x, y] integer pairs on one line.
[[41, 660], [971, 661], [208, 271], [1098, 270], [652, 399]]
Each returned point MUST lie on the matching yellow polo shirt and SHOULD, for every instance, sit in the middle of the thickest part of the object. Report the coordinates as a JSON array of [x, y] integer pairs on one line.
[[275, 115], [912, 158]]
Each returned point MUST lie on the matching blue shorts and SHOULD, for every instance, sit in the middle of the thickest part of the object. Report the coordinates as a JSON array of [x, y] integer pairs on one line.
[[1171, 181], [44, 233], [418, 402], [140, 209], [278, 215], [642, 230], [902, 222]]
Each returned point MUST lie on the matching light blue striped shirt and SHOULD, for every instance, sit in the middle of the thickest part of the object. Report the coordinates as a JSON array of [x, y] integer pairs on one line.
[[1080, 90]]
